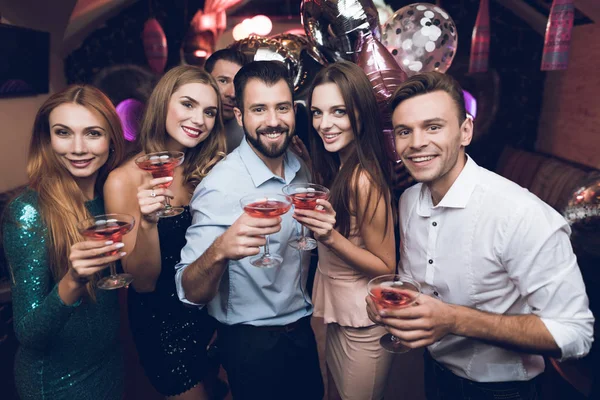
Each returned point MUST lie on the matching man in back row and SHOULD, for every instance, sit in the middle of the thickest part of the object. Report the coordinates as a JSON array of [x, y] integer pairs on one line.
[[223, 65], [501, 285], [267, 345]]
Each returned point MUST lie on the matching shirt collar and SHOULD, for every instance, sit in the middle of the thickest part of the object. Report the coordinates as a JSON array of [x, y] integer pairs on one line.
[[457, 196], [260, 173]]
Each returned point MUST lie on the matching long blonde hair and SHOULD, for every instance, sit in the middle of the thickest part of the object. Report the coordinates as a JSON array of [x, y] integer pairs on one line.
[[61, 201], [200, 159]]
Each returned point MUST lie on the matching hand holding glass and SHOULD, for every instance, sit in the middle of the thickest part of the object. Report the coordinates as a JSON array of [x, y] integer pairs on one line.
[[109, 227], [266, 206], [304, 196], [392, 292], [160, 165]]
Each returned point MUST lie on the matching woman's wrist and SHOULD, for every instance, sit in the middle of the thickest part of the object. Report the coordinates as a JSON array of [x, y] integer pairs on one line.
[[76, 281], [71, 288], [148, 222], [330, 240]]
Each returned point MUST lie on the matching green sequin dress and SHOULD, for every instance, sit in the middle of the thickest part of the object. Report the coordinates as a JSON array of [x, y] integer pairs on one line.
[[66, 352]]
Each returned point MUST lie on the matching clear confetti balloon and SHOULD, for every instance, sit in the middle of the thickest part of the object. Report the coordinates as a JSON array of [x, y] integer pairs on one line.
[[422, 37], [583, 209], [583, 214]]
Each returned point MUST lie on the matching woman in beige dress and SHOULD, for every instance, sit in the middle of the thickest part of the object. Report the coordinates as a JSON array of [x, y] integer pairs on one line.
[[356, 241]]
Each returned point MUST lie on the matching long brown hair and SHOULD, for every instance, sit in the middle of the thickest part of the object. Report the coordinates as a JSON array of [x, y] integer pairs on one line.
[[200, 159], [61, 201], [367, 156]]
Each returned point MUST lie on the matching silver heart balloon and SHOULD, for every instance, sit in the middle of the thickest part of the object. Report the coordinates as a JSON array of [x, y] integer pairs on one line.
[[335, 26]]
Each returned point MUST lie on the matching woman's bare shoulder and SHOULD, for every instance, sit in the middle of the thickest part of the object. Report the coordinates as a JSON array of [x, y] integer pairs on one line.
[[127, 174]]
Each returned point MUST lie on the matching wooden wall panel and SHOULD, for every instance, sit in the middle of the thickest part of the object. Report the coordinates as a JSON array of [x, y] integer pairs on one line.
[[570, 119]]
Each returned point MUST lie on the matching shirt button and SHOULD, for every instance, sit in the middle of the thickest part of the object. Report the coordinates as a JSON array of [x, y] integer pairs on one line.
[[434, 223], [430, 261]]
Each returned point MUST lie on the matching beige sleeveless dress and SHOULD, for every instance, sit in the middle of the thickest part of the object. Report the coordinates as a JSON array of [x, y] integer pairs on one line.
[[357, 362]]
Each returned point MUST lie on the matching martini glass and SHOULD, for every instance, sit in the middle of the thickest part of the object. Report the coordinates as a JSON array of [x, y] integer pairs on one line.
[[160, 165], [392, 292], [109, 227], [304, 196], [267, 205]]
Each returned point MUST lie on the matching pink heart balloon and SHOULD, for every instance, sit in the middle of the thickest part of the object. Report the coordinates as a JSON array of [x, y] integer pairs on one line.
[[385, 76]]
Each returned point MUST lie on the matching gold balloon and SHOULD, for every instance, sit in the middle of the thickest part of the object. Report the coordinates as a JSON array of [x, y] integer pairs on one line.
[[307, 58], [300, 58]]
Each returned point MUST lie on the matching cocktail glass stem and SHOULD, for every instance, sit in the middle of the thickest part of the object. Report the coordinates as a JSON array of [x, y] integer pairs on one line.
[[302, 238], [167, 203], [267, 253]]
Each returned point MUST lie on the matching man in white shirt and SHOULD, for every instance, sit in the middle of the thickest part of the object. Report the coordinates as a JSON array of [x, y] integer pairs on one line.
[[501, 285], [223, 65]]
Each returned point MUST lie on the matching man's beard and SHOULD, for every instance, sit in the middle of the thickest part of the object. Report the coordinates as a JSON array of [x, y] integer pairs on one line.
[[270, 151]]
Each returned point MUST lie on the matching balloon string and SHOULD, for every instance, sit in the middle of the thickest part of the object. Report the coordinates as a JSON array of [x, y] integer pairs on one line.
[[185, 12]]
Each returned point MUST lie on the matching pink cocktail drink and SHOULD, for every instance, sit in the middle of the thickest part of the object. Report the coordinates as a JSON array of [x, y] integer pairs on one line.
[[112, 230], [267, 208], [109, 227], [392, 298], [161, 165], [308, 200], [160, 168], [305, 196], [393, 291]]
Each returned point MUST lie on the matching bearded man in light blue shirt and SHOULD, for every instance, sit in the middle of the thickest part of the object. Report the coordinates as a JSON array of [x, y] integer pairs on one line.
[[267, 344]]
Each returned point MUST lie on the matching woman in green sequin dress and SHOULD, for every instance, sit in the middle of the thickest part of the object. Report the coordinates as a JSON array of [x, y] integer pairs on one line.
[[67, 331]]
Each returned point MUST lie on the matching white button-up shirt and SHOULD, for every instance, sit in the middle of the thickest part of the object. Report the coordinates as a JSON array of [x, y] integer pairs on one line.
[[493, 246]]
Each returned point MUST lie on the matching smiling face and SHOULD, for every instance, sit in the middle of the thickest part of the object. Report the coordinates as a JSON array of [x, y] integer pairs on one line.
[[80, 140], [268, 117], [191, 114], [430, 140], [224, 71], [329, 118]]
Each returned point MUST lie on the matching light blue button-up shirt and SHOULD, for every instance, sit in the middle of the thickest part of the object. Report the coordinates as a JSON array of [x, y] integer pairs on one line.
[[247, 294]]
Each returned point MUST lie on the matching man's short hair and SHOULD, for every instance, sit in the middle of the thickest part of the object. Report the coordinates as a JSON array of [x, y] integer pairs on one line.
[[268, 72], [429, 82], [234, 56]]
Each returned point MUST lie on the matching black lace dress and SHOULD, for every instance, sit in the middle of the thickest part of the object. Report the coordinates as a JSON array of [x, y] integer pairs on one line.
[[170, 337]]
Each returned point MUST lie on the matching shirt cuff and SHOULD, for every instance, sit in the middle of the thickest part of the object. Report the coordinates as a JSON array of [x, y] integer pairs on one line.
[[179, 286], [61, 303], [574, 342]]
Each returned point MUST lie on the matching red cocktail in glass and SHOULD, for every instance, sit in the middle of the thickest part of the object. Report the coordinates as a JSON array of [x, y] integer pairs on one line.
[[160, 165], [266, 206], [304, 196], [109, 227], [393, 291]]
